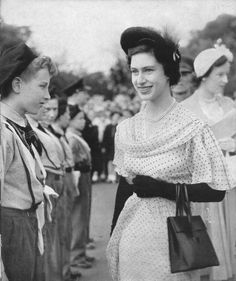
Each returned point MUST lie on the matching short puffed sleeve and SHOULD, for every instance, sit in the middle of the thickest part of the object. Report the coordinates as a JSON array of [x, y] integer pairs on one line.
[[119, 152], [206, 162]]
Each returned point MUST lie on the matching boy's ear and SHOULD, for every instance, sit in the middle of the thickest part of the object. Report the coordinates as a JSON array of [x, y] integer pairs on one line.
[[16, 84]]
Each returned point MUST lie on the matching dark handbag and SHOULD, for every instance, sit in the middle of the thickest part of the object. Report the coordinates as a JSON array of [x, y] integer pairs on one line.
[[190, 246]]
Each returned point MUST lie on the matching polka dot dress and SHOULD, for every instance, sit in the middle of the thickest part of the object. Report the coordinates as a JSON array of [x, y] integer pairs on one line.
[[180, 149]]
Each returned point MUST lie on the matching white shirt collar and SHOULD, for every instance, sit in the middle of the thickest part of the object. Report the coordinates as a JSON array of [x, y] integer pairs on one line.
[[9, 113]]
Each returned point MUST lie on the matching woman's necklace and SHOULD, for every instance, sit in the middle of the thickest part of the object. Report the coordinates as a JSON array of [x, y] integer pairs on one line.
[[163, 114]]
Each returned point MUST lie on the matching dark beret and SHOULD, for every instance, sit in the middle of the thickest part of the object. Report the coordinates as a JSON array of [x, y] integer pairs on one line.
[[14, 59], [74, 110], [62, 106], [78, 85], [54, 92], [135, 36]]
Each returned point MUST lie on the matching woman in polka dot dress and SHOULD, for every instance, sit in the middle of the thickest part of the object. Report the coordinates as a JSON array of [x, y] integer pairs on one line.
[[160, 146]]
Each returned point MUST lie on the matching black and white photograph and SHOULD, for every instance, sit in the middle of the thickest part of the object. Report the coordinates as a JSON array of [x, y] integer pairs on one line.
[[117, 140]]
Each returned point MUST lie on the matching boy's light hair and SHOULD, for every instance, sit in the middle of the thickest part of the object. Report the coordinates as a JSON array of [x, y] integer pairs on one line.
[[41, 62]]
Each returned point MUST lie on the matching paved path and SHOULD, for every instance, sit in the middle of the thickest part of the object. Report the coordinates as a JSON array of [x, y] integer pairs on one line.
[[103, 198]]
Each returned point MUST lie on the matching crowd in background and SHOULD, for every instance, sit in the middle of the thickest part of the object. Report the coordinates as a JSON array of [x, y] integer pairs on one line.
[[105, 115]]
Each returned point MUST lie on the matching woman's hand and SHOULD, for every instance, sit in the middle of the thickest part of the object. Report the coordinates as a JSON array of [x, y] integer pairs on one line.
[[130, 179]]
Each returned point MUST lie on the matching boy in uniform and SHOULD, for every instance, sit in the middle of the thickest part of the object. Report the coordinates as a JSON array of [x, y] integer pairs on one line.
[[24, 81]]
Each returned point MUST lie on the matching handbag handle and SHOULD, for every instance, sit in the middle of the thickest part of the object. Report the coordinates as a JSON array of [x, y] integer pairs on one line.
[[182, 203], [186, 201], [180, 200], [179, 209]]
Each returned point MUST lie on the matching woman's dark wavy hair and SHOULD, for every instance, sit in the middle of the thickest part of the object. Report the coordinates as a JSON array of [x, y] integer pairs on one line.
[[166, 53]]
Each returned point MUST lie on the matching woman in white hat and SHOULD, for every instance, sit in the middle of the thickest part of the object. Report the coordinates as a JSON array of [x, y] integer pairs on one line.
[[212, 67]]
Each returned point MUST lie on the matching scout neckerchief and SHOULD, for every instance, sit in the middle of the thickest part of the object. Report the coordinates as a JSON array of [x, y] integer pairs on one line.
[[15, 128], [28, 136]]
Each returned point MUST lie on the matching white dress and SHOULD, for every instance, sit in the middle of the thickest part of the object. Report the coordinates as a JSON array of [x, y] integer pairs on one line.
[[182, 149], [219, 113]]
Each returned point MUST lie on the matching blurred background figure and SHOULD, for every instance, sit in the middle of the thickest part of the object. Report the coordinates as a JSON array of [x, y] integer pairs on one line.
[[234, 96], [58, 128], [81, 203], [109, 146], [77, 94], [212, 67], [101, 120], [187, 82]]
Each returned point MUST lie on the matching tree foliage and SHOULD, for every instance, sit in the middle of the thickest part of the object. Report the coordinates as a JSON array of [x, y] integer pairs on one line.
[[14, 33], [98, 82], [10, 33], [62, 80], [118, 79]]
